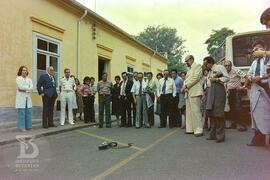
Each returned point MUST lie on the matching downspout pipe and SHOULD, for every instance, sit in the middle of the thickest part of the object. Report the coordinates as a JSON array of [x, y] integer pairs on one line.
[[151, 60], [78, 41]]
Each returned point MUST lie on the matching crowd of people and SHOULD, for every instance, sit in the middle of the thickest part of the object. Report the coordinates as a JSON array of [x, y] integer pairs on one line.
[[194, 100]]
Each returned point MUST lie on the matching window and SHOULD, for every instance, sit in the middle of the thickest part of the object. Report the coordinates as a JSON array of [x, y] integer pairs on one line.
[[130, 70], [242, 47], [46, 52], [145, 75]]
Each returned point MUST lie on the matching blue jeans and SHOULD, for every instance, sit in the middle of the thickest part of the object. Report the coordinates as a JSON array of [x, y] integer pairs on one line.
[[24, 118]]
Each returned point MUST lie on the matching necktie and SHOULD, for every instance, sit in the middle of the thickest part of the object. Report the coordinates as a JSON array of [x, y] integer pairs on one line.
[[52, 81], [258, 68], [123, 88], [164, 87], [140, 90]]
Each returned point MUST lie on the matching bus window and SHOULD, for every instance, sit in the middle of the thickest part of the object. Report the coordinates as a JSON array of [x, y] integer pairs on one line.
[[242, 46]]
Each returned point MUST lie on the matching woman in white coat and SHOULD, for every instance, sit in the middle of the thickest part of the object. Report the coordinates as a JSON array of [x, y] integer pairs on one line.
[[23, 99]]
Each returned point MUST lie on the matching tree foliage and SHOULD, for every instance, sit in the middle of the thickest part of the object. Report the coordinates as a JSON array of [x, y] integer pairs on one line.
[[164, 39], [217, 37]]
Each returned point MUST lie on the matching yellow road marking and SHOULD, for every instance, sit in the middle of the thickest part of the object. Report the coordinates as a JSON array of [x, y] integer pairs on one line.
[[131, 157], [107, 139]]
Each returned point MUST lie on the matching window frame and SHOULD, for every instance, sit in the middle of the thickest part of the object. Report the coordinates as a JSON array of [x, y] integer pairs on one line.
[[37, 36], [129, 73]]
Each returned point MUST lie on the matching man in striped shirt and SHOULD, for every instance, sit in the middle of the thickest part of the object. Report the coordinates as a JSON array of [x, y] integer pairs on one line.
[[233, 87]]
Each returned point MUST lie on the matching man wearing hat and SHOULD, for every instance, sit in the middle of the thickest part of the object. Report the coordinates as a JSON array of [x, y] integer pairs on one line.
[[193, 89]]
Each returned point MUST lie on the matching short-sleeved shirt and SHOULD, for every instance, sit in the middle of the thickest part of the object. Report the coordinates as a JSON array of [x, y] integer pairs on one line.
[[170, 87], [136, 87], [264, 63], [104, 87], [235, 76], [178, 83], [67, 84]]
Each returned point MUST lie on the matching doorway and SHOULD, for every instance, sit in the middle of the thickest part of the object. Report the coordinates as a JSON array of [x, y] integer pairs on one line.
[[102, 67]]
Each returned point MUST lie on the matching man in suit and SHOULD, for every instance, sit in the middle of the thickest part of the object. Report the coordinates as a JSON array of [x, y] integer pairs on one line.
[[47, 90], [126, 100], [193, 89]]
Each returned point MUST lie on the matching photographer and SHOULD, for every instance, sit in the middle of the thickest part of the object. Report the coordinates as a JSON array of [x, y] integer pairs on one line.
[[259, 75], [216, 99]]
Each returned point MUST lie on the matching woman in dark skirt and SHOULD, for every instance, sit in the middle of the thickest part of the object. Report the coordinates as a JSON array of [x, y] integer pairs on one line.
[[116, 110], [86, 92]]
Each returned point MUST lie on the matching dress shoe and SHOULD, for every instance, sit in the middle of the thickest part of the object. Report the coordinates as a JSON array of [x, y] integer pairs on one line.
[[138, 127], [161, 126], [231, 127], [52, 125], [22, 130], [251, 144], [256, 144], [189, 132], [198, 135], [45, 127], [210, 138], [242, 129], [220, 140]]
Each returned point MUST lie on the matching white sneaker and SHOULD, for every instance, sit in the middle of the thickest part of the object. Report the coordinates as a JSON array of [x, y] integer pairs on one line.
[[62, 124], [71, 123]]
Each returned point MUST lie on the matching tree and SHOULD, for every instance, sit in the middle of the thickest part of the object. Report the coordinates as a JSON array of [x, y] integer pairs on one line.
[[164, 39], [217, 37]]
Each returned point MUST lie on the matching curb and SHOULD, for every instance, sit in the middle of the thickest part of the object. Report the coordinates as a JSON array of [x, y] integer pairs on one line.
[[43, 134]]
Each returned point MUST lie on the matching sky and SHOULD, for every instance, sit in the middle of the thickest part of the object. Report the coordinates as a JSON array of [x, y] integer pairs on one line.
[[193, 19]]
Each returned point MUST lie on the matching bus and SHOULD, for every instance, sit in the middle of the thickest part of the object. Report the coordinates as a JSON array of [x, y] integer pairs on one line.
[[237, 48]]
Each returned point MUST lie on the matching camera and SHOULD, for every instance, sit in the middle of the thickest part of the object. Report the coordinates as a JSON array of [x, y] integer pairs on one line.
[[218, 74], [105, 145]]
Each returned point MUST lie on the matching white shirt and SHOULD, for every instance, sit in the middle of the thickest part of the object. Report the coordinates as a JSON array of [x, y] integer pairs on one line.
[[21, 97], [170, 87], [67, 84], [123, 87], [263, 67], [136, 87]]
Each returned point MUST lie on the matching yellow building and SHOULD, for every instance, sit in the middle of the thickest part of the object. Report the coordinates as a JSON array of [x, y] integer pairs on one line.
[[63, 33]]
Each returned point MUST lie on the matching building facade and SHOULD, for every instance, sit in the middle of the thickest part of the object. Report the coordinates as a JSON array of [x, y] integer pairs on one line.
[[63, 34]]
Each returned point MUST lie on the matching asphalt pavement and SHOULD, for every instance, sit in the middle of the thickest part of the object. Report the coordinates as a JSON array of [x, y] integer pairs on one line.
[[155, 154]]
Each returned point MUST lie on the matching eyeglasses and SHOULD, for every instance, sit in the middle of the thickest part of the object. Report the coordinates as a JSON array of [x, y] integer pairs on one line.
[[187, 60]]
